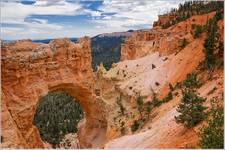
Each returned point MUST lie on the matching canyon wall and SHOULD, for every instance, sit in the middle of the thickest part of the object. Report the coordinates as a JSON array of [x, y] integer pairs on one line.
[[164, 41]]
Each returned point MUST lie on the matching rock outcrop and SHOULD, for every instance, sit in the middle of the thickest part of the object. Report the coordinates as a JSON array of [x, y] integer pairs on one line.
[[164, 41], [163, 19], [30, 71]]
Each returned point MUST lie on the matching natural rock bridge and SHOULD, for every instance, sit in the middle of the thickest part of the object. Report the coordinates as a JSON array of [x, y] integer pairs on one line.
[[31, 70]]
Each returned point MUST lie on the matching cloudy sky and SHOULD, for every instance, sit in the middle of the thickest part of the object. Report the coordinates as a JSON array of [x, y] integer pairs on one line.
[[41, 19]]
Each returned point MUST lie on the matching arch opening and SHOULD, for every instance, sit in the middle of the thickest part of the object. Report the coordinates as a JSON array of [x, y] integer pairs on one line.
[[57, 117]]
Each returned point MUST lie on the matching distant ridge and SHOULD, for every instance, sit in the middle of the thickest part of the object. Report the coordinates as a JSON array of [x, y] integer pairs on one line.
[[45, 41], [115, 34]]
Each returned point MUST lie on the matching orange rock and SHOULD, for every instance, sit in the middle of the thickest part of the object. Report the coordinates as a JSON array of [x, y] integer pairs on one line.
[[164, 41], [30, 71]]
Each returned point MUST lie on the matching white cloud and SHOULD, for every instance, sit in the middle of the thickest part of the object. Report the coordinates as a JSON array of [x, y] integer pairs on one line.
[[10, 30], [93, 13], [42, 21], [34, 30], [14, 12], [128, 15], [134, 13]]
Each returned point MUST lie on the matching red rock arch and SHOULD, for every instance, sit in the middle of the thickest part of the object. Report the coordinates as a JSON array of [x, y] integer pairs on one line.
[[30, 71]]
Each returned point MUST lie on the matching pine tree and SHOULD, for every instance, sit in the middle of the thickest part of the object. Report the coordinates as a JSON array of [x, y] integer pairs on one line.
[[210, 43], [56, 116], [190, 109], [198, 29], [212, 135], [192, 81]]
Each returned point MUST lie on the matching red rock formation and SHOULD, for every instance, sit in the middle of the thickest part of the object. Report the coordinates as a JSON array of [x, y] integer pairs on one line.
[[162, 19], [164, 41], [30, 71]]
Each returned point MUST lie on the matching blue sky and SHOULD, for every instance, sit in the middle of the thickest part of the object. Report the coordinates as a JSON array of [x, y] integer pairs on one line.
[[42, 19]]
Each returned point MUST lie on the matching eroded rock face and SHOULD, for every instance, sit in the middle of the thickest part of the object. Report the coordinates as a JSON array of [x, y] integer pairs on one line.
[[144, 43], [164, 41], [148, 68], [30, 71], [132, 78], [162, 19]]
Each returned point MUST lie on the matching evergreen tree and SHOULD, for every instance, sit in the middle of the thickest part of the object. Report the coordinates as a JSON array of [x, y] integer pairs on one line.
[[210, 43], [189, 8], [191, 109], [192, 81], [212, 135], [198, 29], [57, 115]]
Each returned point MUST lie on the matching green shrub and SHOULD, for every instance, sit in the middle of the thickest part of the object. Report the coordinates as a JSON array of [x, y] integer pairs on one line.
[[192, 81], [139, 100], [219, 15], [148, 108], [190, 109], [168, 97], [135, 126], [198, 29], [155, 101], [212, 135]]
